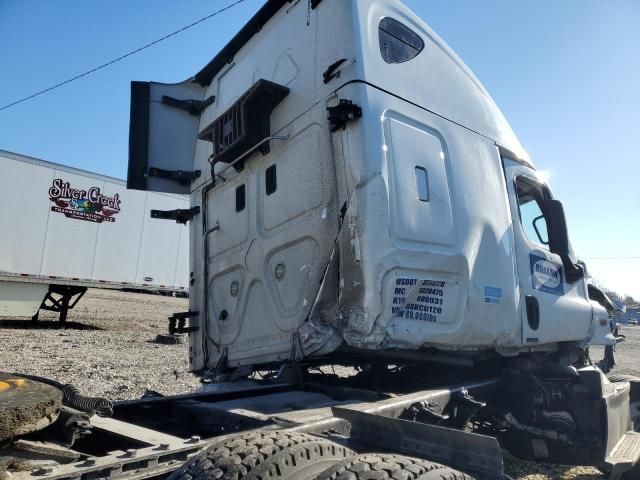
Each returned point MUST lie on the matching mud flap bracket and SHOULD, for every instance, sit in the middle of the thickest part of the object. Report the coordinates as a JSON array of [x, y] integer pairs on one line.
[[179, 215], [181, 176], [193, 107]]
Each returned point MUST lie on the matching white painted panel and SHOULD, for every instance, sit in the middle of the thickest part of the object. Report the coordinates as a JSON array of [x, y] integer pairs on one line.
[[29, 251], [224, 297], [118, 243], [14, 176], [300, 258], [299, 177], [70, 243], [24, 208], [18, 210], [436, 79], [181, 276], [234, 226], [296, 225], [39, 241], [279, 53], [414, 221], [159, 245], [172, 134], [21, 299]]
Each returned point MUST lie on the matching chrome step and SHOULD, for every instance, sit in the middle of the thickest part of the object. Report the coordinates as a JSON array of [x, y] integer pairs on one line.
[[624, 456]]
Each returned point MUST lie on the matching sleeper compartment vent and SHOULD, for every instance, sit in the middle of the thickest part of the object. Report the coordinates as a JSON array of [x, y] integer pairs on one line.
[[245, 123]]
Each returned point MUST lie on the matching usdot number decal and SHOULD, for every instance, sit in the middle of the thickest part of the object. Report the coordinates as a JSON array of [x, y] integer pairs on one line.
[[416, 299]]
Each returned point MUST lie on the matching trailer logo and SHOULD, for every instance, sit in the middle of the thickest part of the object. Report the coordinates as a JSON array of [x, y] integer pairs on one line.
[[546, 276], [90, 205]]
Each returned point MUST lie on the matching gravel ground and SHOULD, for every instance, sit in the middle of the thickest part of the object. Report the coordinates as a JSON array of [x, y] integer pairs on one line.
[[108, 349]]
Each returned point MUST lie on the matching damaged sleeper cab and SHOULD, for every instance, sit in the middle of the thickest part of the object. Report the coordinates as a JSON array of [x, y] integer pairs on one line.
[[358, 198], [355, 191]]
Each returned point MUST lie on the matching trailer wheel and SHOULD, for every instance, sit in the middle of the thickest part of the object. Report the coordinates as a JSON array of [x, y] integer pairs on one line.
[[264, 455], [383, 466], [634, 394]]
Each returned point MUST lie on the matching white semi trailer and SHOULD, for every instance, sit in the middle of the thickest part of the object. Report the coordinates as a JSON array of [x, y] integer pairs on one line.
[[358, 199], [65, 229]]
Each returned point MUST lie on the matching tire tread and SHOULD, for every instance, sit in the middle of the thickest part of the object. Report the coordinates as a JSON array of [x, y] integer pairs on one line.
[[382, 466], [259, 455]]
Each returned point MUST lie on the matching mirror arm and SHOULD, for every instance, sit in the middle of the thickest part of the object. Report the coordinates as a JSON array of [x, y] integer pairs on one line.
[[573, 272], [559, 241]]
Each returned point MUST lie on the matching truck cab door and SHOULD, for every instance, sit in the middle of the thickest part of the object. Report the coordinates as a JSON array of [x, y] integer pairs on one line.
[[554, 303], [163, 133]]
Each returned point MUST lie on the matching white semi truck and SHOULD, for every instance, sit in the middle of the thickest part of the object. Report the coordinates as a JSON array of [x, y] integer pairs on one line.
[[358, 199], [65, 230]]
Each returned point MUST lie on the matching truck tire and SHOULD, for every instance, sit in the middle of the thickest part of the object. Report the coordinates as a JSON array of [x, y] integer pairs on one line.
[[383, 466], [264, 455], [634, 394]]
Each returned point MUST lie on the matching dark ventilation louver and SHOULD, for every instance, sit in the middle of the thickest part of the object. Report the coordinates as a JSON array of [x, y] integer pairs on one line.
[[245, 123]]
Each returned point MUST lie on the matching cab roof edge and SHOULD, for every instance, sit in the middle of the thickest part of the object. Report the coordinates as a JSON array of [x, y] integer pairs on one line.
[[206, 75], [506, 152]]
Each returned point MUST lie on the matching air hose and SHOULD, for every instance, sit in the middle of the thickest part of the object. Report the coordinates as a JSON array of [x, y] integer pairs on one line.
[[74, 399], [71, 397]]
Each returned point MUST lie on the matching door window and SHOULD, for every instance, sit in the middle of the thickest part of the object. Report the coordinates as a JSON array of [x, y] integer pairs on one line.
[[531, 194]]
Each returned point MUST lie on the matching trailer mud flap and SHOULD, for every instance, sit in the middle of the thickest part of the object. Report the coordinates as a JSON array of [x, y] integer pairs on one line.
[[478, 455]]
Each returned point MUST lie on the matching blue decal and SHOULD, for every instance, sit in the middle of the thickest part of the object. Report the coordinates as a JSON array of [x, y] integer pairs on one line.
[[492, 294], [546, 276]]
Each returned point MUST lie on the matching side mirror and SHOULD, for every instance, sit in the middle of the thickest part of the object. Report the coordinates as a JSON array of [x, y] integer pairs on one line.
[[559, 239], [540, 226], [556, 227]]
